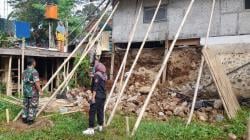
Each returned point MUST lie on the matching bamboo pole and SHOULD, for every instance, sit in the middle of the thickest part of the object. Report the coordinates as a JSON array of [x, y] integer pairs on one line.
[[23, 47], [74, 51], [52, 71], [18, 115], [125, 56], [7, 116], [127, 125], [64, 71], [85, 49], [112, 62], [161, 70], [12, 102], [67, 71], [8, 89], [79, 62], [19, 77], [201, 67], [133, 65], [164, 75]]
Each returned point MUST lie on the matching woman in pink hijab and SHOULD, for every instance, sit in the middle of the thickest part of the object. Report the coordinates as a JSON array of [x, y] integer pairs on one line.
[[98, 99]]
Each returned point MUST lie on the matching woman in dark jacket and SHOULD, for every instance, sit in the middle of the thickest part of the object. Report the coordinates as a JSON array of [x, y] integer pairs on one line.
[[98, 99]]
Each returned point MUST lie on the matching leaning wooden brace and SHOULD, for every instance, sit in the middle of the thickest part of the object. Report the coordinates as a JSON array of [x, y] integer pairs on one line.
[[161, 70], [79, 62], [85, 49], [201, 67], [125, 56], [133, 65]]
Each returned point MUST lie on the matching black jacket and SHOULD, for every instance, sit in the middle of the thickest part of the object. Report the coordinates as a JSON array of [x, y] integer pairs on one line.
[[99, 86]]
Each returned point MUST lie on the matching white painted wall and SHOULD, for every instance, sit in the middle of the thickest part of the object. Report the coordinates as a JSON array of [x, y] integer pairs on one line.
[[230, 19]]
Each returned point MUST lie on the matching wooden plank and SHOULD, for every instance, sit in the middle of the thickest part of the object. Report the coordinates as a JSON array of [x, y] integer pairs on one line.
[[222, 83], [187, 42], [33, 52]]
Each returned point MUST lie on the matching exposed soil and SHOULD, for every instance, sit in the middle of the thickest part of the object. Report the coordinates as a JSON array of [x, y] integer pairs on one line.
[[39, 124]]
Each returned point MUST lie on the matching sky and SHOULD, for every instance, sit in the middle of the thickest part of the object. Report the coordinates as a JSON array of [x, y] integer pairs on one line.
[[8, 9]]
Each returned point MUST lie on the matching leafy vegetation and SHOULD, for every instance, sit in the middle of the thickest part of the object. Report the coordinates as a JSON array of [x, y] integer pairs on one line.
[[5, 41], [71, 126], [82, 73], [33, 11], [2, 88]]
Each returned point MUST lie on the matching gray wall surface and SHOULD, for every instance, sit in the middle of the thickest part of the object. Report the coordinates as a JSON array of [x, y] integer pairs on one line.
[[230, 18]]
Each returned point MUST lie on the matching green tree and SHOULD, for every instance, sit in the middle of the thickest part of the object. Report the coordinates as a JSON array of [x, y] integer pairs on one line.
[[32, 11]]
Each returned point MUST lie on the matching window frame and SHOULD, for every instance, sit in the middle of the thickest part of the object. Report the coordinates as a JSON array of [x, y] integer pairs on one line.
[[245, 4], [153, 8]]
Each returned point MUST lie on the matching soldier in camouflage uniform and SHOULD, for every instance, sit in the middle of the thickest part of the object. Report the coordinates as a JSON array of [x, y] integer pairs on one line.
[[31, 89]]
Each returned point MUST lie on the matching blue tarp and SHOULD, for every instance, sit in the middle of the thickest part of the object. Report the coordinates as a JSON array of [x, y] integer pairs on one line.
[[22, 29]]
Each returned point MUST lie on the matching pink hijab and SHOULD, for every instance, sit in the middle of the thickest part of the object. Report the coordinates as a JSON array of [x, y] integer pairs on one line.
[[100, 70]]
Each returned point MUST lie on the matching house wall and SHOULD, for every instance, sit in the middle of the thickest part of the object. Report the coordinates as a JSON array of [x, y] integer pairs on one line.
[[230, 18]]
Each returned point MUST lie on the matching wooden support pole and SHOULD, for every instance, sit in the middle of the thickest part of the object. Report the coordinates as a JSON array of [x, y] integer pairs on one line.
[[79, 62], [18, 115], [19, 77], [127, 125], [201, 67], [161, 70], [52, 71], [75, 50], [9, 80], [67, 72], [64, 71], [131, 36], [50, 36], [112, 62], [58, 75], [164, 75], [7, 116], [23, 47], [133, 65], [67, 37], [85, 49]]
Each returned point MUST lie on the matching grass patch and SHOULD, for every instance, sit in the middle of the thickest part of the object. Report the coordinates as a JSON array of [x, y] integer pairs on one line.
[[13, 110], [69, 127]]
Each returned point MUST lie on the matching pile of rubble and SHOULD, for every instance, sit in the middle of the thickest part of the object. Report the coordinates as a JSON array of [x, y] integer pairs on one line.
[[165, 102], [169, 99]]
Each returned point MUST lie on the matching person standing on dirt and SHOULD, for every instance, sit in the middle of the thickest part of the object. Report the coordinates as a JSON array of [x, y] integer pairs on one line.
[[98, 98], [31, 90]]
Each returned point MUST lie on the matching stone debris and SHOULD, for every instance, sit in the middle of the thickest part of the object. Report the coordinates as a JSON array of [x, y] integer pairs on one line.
[[166, 101], [232, 136]]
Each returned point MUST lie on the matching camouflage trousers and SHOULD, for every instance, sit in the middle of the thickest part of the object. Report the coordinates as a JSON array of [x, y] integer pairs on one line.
[[30, 107]]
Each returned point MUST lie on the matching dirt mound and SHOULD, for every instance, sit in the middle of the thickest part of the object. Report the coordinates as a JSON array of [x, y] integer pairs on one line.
[[19, 126]]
